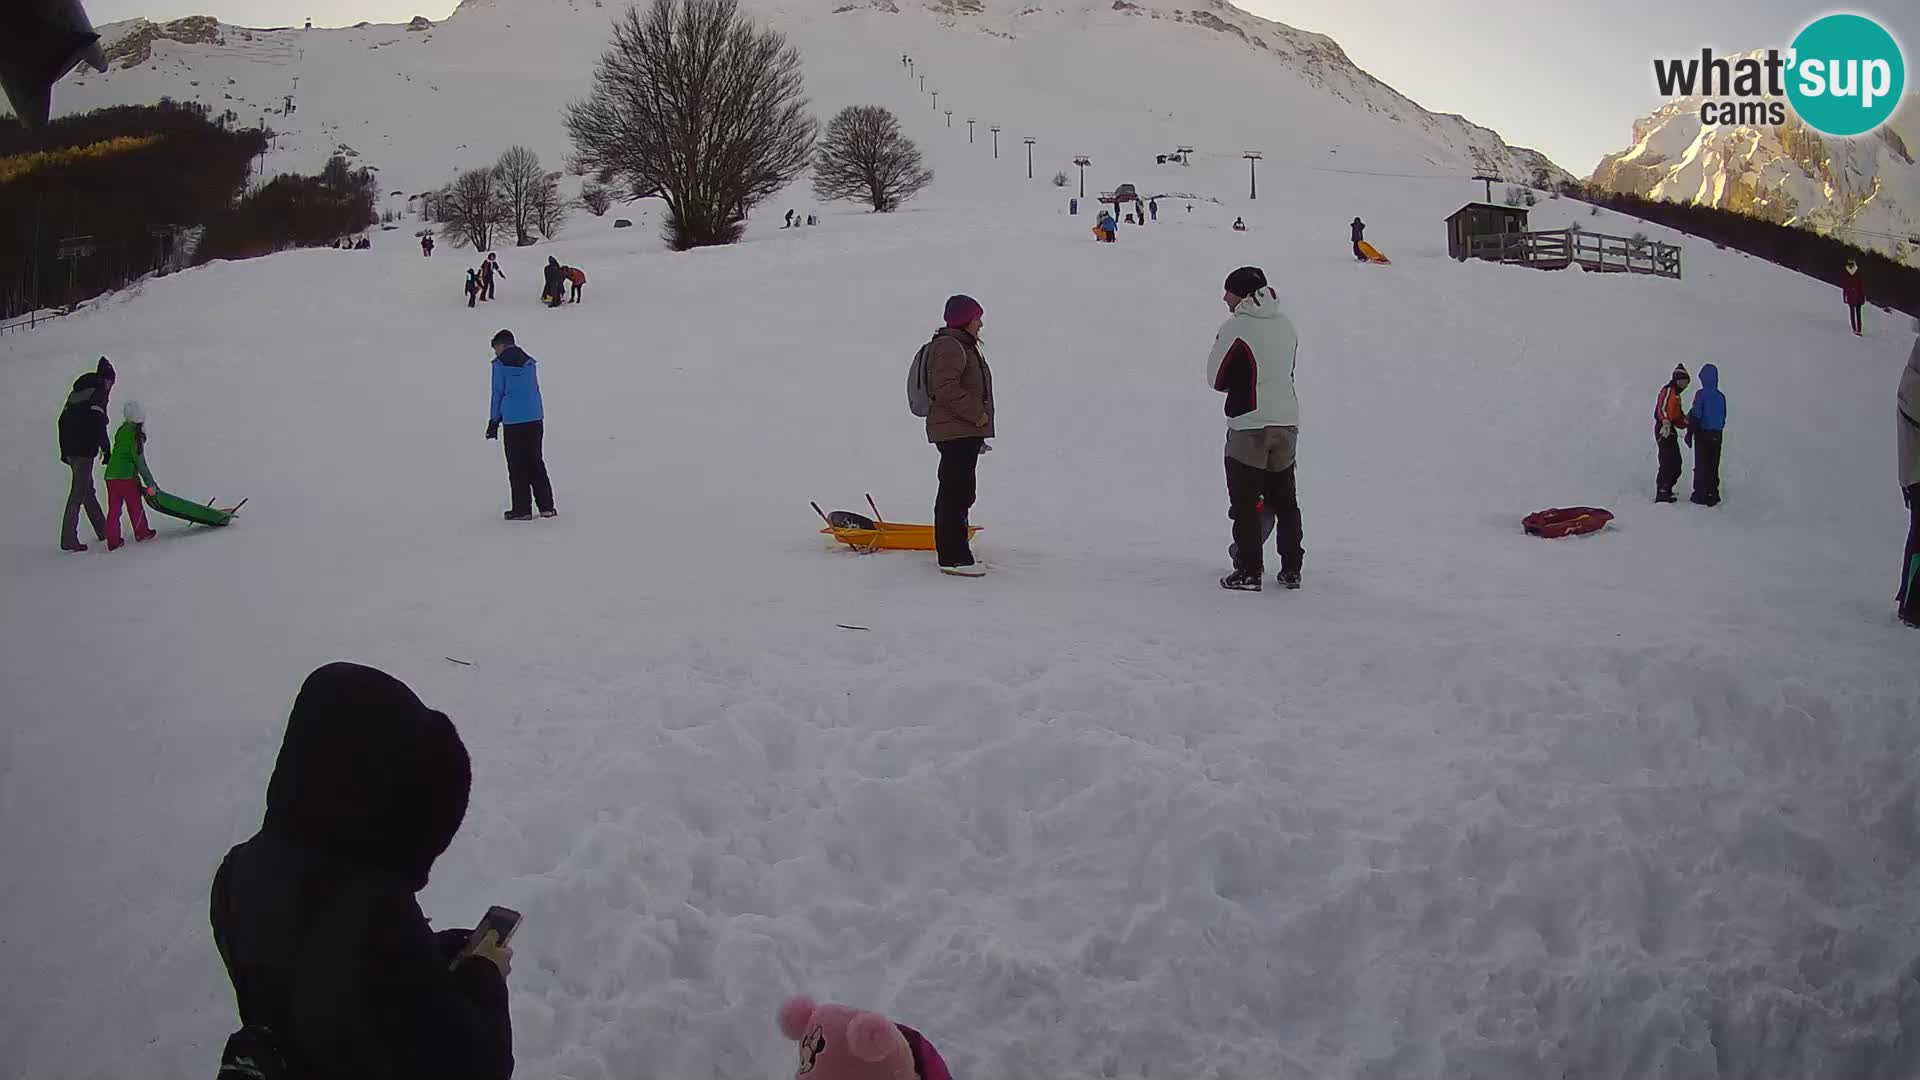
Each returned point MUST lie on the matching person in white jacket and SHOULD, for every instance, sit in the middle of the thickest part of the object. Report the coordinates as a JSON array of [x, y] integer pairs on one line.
[[1909, 444], [1252, 363]]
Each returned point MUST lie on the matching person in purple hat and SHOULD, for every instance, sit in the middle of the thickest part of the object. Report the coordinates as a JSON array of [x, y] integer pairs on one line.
[[959, 423]]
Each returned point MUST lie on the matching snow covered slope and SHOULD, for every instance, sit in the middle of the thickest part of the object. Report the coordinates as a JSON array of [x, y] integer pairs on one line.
[[418, 101], [1865, 190], [1469, 805]]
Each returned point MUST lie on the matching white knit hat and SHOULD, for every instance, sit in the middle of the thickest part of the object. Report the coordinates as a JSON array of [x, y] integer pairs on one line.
[[134, 413]]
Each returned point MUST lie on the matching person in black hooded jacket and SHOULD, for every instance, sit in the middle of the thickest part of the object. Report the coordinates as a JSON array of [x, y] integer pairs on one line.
[[83, 436], [555, 290], [315, 916]]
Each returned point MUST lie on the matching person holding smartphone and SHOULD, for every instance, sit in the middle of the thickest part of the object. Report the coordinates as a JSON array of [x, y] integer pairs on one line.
[[336, 970]]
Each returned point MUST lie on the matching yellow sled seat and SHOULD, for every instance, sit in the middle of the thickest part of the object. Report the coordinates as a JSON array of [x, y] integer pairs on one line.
[[1373, 254]]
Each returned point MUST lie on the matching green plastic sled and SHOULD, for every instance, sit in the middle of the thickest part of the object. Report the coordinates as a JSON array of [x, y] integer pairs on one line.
[[187, 510]]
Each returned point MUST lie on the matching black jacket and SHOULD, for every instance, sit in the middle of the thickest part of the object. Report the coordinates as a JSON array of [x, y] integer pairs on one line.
[[83, 422], [1359, 230], [554, 271], [315, 916]]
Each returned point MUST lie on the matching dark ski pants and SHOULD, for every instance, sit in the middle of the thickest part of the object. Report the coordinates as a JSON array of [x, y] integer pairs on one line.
[[1670, 464], [959, 463], [81, 496], [471, 293], [576, 292], [1853, 314], [1909, 595], [1357, 253], [1246, 485], [526, 466], [1706, 465], [486, 288]]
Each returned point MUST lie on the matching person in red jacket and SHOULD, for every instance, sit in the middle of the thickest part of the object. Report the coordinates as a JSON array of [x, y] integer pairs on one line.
[[1669, 420], [1854, 288]]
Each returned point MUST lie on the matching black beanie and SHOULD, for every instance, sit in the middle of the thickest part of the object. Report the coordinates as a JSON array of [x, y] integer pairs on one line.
[[1246, 281], [504, 337], [104, 370]]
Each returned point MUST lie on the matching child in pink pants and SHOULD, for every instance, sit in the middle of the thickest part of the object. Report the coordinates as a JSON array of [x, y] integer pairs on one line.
[[128, 478]]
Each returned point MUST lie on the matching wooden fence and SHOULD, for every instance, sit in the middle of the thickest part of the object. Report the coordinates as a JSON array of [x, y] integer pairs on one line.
[[1561, 248]]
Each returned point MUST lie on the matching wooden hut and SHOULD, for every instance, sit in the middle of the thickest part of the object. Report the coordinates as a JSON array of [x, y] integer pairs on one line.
[[1481, 219]]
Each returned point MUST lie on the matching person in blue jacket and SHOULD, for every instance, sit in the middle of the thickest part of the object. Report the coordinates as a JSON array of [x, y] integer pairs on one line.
[[1706, 423], [516, 406]]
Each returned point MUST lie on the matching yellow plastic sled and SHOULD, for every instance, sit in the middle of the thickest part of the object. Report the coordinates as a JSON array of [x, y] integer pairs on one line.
[[1373, 254], [868, 535]]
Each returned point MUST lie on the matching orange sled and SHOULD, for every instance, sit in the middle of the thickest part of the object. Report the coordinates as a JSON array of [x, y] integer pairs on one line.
[[865, 534], [1566, 521]]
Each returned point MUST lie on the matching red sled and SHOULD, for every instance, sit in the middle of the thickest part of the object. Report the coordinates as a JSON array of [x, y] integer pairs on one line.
[[1566, 521]]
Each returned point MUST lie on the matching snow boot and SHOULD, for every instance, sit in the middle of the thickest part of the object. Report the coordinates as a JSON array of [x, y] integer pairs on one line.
[[972, 569], [141, 538], [1665, 497], [116, 545], [520, 516], [73, 547], [549, 513], [1241, 581], [1289, 579]]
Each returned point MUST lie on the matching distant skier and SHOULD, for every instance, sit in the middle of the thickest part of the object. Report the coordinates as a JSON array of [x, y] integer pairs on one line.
[[473, 286], [128, 477], [517, 407], [1907, 418], [489, 270], [1252, 362], [1239, 225], [1706, 423], [1669, 419], [1853, 288], [83, 437], [1153, 209], [577, 278], [426, 244], [1359, 234], [554, 292]]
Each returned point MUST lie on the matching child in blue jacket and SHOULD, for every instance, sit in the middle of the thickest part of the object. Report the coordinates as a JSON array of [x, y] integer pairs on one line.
[[1706, 423], [517, 408]]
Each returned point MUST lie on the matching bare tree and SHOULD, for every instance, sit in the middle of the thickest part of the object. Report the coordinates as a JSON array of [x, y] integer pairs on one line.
[[549, 209], [471, 208], [597, 199], [865, 157], [519, 176], [694, 102]]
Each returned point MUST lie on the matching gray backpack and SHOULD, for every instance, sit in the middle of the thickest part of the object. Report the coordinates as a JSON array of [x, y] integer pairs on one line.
[[919, 401]]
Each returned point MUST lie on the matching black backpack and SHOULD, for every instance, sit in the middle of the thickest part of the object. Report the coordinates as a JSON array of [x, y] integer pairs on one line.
[[255, 1052]]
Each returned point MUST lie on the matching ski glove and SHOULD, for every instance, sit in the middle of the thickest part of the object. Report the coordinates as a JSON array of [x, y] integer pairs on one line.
[[493, 429]]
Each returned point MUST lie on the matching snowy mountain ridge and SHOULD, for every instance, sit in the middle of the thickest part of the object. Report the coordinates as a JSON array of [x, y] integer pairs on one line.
[[1864, 190], [485, 44]]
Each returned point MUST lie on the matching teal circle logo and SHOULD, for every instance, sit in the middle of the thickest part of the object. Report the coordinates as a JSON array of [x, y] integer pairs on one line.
[[1846, 75]]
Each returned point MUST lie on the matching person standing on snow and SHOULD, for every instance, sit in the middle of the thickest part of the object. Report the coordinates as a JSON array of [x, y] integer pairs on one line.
[[83, 437], [473, 286], [577, 278], [1853, 289], [1153, 209], [1669, 419], [1908, 419], [128, 477], [426, 244], [959, 423], [335, 968], [517, 406], [554, 292], [1252, 362], [1706, 423], [1359, 234], [488, 271]]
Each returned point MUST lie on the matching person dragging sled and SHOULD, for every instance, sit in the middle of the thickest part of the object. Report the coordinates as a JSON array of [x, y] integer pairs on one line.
[[83, 437], [517, 408], [1252, 362], [1908, 419], [336, 970], [1669, 419], [1706, 424], [128, 477], [959, 423], [1359, 233], [1853, 289]]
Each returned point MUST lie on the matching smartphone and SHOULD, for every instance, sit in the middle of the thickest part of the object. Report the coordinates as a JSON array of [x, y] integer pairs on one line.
[[502, 921]]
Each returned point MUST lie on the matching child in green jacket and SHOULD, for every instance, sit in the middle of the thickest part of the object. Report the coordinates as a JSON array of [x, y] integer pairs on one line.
[[127, 477]]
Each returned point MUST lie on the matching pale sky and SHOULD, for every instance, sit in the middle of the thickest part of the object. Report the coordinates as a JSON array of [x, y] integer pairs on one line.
[[1565, 79]]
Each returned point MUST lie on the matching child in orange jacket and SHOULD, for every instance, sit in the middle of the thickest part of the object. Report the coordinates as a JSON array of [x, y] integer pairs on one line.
[[1669, 420]]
